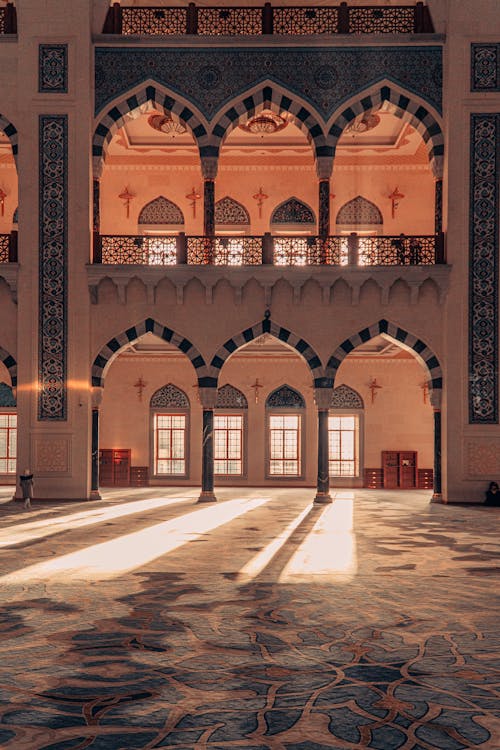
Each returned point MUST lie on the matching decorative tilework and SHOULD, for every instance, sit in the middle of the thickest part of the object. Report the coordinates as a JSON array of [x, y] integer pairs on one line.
[[485, 67], [52, 339], [419, 348], [359, 211], [285, 397], [131, 335], [161, 211], [10, 363], [293, 211], [229, 397], [53, 68], [7, 399], [344, 397], [229, 211], [483, 264], [227, 72], [169, 397]]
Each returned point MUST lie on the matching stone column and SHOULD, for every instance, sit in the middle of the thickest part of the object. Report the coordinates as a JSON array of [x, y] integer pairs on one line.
[[209, 166], [96, 223], [436, 405], [94, 485], [208, 397], [323, 397], [324, 166], [438, 206]]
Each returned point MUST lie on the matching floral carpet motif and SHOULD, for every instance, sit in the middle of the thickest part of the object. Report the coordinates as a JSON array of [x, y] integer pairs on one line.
[[260, 622]]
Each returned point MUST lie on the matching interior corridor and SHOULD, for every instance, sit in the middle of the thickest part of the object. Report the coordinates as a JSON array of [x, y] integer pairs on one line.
[[261, 621]]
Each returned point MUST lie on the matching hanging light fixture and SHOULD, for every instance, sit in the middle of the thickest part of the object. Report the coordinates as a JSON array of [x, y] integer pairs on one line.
[[363, 124], [165, 124], [265, 123]]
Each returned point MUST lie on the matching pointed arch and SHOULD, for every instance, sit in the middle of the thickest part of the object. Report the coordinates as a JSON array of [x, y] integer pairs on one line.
[[405, 105], [11, 365], [108, 352], [271, 95], [7, 398], [407, 340], [169, 397], [229, 397], [285, 397], [358, 211], [161, 210], [9, 130], [230, 211], [293, 211], [344, 397], [163, 100], [282, 334]]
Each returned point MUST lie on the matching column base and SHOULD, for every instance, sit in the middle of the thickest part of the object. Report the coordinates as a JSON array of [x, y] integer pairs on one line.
[[323, 498], [437, 498], [94, 495], [207, 497]]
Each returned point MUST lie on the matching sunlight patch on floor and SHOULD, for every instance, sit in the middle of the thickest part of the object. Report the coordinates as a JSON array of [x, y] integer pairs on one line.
[[131, 551], [330, 548]]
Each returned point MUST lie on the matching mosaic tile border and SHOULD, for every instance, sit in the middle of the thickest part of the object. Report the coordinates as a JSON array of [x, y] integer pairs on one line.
[[52, 68], [483, 268], [53, 208], [485, 67]]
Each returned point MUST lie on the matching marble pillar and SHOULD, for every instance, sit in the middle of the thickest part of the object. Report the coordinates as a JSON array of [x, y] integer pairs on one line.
[[208, 398], [323, 397]]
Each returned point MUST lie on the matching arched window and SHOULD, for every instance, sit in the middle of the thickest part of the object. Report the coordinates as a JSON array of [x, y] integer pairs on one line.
[[292, 217], [8, 430], [170, 424], [293, 213], [229, 432], [345, 433], [285, 409], [361, 217], [231, 215], [161, 217]]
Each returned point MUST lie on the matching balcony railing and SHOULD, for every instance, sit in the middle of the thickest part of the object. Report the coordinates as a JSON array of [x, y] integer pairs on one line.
[[237, 250], [295, 21], [8, 19], [8, 248]]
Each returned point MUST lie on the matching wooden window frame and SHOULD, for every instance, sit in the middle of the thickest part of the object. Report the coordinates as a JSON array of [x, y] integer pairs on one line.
[[284, 412], [358, 414], [243, 444], [155, 413], [9, 430]]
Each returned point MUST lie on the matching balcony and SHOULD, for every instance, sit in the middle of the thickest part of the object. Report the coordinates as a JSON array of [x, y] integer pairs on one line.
[[267, 20], [268, 260]]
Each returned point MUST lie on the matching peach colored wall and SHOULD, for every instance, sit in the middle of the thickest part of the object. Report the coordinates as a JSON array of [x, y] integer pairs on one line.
[[398, 418], [415, 214], [8, 183]]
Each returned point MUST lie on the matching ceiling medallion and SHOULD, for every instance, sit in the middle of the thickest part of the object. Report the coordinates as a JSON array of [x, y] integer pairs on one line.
[[265, 123], [363, 124], [165, 124]]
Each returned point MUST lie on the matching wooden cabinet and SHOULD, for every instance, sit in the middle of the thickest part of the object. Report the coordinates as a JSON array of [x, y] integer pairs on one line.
[[114, 467], [400, 469]]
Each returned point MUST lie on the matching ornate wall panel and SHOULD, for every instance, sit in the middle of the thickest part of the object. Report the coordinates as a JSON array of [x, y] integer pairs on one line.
[[169, 397], [483, 262], [293, 211], [359, 211], [51, 455], [53, 199], [482, 458], [324, 77], [161, 211], [344, 397], [285, 398], [53, 68], [229, 397], [485, 67], [229, 211], [6, 396]]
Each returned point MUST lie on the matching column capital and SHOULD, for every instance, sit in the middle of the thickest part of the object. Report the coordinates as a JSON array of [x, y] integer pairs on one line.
[[324, 167], [436, 398], [323, 398], [209, 167], [97, 394], [208, 397]]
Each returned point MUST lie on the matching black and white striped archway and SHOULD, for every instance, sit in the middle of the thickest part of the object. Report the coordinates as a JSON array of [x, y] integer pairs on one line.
[[11, 365]]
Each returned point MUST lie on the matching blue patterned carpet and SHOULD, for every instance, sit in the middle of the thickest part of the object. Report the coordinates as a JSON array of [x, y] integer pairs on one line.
[[261, 622]]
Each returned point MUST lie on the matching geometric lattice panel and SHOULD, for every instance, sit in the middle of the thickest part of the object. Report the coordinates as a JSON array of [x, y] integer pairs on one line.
[[169, 397], [359, 211], [229, 211], [53, 68], [485, 67], [6, 396], [344, 397], [229, 397], [293, 211], [53, 198], [483, 268], [161, 211], [285, 398]]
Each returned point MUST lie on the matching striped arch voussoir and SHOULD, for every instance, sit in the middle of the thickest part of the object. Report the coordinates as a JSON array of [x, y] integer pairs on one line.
[[116, 117], [11, 365], [269, 98], [405, 108], [280, 333], [116, 344], [8, 128], [407, 340]]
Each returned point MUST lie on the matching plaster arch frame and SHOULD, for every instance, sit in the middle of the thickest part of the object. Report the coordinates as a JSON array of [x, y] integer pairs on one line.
[[408, 107], [302, 347], [421, 351], [111, 118], [108, 353]]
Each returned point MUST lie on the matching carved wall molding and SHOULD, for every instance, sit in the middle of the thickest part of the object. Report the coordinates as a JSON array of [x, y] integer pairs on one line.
[[482, 458], [51, 454]]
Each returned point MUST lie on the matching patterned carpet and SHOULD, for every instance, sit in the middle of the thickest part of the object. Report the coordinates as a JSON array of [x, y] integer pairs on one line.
[[261, 622]]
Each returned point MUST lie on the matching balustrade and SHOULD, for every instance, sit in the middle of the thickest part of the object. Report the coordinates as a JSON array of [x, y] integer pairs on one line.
[[8, 19], [280, 21], [8, 248], [238, 250]]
